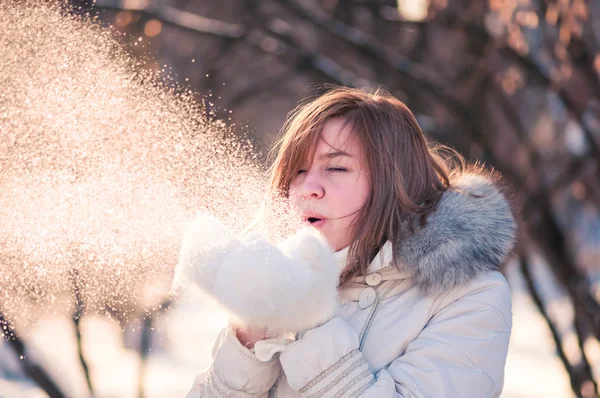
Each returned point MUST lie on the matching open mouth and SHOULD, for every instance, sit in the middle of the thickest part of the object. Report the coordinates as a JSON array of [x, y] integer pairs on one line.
[[316, 222]]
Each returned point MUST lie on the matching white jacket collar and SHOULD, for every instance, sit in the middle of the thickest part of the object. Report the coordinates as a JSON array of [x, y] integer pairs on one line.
[[341, 258], [382, 259]]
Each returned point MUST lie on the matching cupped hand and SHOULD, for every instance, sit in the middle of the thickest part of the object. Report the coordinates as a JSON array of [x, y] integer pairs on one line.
[[289, 286], [248, 336]]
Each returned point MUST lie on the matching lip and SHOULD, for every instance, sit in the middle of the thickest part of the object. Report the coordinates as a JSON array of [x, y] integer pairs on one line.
[[317, 224]]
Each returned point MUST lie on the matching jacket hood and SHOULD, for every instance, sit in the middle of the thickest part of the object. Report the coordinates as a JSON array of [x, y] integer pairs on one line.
[[472, 230]]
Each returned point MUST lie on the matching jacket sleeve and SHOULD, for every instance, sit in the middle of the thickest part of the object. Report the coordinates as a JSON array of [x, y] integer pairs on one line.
[[235, 372], [460, 353]]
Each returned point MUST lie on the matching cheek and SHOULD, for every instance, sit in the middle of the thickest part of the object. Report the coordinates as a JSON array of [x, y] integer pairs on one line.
[[365, 192], [360, 192]]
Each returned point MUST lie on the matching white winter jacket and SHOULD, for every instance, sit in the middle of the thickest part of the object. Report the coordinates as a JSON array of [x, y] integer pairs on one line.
[[437, 325]]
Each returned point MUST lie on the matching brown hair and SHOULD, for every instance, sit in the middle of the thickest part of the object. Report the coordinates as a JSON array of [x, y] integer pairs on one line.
[[407, 175]]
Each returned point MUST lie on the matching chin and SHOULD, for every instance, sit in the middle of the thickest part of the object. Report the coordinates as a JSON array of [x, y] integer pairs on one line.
[[336, 245]]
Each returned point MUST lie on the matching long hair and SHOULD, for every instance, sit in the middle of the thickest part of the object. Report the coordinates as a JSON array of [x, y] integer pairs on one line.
[[407, 175]]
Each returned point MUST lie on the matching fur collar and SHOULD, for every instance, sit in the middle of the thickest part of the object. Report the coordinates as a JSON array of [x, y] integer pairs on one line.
[[473, 230]]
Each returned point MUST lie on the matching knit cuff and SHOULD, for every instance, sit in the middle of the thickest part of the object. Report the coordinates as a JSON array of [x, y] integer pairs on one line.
[[237, 368], [349, 377]]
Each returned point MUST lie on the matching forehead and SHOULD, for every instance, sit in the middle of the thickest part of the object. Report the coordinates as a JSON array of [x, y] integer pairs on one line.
[[338, 135]]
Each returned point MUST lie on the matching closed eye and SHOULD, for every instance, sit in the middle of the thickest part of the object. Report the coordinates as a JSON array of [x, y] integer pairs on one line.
[[301, 171], [337, 169]]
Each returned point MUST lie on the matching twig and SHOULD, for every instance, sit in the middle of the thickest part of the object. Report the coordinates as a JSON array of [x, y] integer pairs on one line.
[[574, 377], [561, 93], [32, 369], [179, 18], [309, 11], [76, 317], [147, 323], [147, 331], [582, 332], [514, 118], [531, 65]]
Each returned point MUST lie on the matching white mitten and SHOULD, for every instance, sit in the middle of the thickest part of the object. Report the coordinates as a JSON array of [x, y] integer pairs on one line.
[[287, 287]]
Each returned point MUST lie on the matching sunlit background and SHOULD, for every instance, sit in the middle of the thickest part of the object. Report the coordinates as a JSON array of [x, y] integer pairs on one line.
[[120, 119]]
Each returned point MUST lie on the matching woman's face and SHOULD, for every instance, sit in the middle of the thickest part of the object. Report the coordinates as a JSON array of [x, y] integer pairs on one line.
[[331, 188]]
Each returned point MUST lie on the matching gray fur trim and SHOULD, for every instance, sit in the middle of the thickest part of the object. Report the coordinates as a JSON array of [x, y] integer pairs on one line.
[[471, 231]]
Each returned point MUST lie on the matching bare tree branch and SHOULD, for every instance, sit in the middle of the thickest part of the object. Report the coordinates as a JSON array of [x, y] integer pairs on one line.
[[76, 318], [363, 42], [32, 369], [179, 18], [574, 377]]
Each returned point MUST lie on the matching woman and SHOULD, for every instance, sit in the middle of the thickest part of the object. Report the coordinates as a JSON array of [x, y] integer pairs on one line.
[[424, 310]]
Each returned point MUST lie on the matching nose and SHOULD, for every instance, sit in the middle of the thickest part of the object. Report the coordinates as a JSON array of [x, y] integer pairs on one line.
[[310, 187]]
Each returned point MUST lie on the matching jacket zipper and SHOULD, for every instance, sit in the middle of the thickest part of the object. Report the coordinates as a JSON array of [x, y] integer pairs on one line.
[[379, 299]]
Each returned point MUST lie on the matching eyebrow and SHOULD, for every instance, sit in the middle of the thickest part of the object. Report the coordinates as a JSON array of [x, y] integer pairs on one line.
[[335, 154]]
